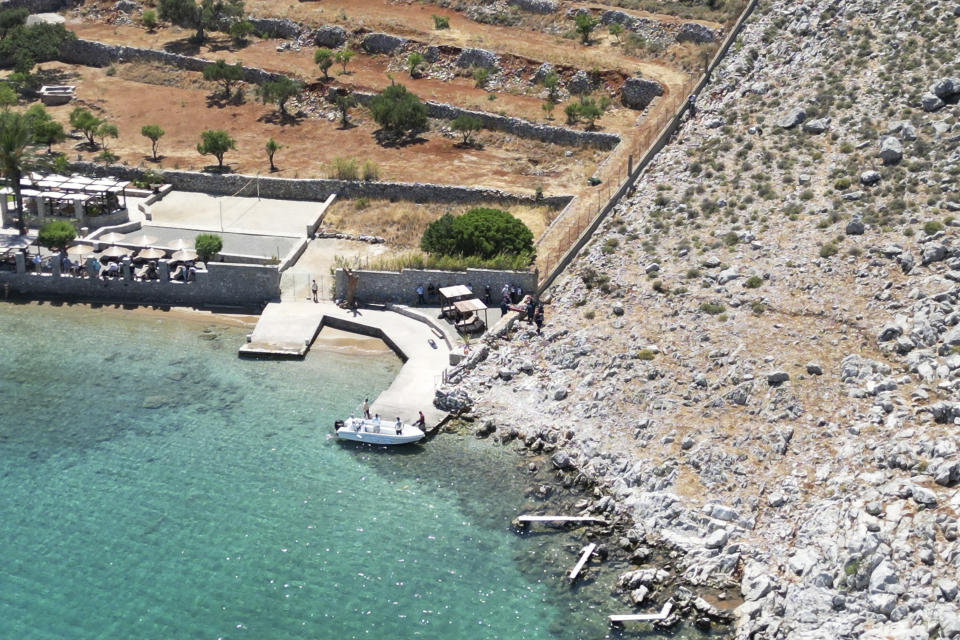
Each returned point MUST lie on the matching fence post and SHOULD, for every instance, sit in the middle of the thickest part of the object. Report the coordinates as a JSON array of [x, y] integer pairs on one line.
[[630, 165]]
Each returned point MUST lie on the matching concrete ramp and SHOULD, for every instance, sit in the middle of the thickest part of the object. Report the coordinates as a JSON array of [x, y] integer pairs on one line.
[[287, 329]]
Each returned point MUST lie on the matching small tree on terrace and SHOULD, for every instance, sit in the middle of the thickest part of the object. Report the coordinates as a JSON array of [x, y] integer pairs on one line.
[[345, 102], [207, 245], [414, 60], [240, 30], [45, 129], [104, 131], [398, 111], [586, 23], [279, 91], [466, 126], [616, 30], [154, 133], [8, 97], [481, 232], [226, 74], [323, 58], [209, 15], [550, 81], [86, 123], [343, 57], [149, 19], [216, 143], [271, 148], [56, 235]]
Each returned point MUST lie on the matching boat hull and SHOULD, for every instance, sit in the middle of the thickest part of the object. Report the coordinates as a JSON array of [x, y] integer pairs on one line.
[[365, 431]]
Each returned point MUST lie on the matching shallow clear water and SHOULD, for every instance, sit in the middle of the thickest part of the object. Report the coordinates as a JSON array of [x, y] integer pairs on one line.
[[154, 485]]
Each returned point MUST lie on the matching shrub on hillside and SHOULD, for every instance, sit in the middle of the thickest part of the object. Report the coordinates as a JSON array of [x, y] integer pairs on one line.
[[479, 232]]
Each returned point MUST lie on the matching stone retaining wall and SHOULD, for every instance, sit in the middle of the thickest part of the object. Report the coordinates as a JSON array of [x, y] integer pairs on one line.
[[99, 54], [516, 126], [316, 190], [36, 6], [390, 286], [222, 285]]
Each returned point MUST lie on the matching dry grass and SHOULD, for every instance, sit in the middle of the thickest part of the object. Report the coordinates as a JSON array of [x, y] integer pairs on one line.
[[402, 223], [163, 76]]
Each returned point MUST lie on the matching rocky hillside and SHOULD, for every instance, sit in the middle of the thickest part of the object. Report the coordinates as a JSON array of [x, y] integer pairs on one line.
[[758, 356]]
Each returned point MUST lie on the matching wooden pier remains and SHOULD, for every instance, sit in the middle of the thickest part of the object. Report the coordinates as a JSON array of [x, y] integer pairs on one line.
[[643, 617], [587, 552], [525, 521]]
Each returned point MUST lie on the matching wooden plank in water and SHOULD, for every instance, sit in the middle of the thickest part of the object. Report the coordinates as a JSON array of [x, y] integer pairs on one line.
[[587, 552], [585, 519], [643, 617]]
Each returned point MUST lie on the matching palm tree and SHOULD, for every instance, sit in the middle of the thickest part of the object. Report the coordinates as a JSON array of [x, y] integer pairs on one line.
[[15, 139]]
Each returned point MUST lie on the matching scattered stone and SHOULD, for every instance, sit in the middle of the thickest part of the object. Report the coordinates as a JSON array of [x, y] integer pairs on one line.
[[855, 227], [793, 118], [478, 58], [869, 178], [777, 377], [382, 43], [814, 369], [696, 32], [580, 83], [818, 126]]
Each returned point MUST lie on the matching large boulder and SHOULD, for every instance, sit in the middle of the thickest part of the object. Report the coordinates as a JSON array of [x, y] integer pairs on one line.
[[933, 252], [930, 102], [855, 227], [536, 6], [542, 72], [330, 36], [638, 93], [619, 17], [580, 83], [793, 118], [696, 32], [946, 88], [869, 178], [891, 151], [452, 400], [276, 28], [478, 58], [382, 43], [818, 126]]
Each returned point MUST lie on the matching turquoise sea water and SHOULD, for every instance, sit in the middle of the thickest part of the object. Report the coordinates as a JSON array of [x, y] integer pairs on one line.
[[153, 485]]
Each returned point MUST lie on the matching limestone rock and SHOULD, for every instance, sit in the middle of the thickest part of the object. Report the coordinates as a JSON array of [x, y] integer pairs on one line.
[[382, 43], [777, 377], [869, 178], [855, 227], [536, 6], [891, 151], [818, 126], [478, 58], [793, 118], [637, 93], [696, 32], [580, 83]]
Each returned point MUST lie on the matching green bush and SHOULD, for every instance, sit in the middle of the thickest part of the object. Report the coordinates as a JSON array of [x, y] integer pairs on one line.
[[932, 226], [56, 235], [398, 111], [645, 354], [441, 22], [344, 169], [479, 232], [753, 282], [828, 250], [842, 184], [712, 308], [207, 245]]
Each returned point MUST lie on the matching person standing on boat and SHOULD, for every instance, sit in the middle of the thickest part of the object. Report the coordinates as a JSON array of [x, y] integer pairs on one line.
[[398, 426], [366, 408], [376, 423], [421, 420]]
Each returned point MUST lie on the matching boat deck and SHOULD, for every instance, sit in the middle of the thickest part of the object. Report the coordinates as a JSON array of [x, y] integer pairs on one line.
[[288, 329]]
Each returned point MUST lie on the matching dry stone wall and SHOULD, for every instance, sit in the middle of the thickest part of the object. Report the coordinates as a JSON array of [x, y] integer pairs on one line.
[[320, 189]]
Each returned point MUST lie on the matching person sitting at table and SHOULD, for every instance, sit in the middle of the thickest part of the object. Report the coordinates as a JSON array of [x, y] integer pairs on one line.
[[179, 274], [112, 270], [191, 272]]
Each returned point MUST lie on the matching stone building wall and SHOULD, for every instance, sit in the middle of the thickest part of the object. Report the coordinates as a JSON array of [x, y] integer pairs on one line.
[[401, 288]]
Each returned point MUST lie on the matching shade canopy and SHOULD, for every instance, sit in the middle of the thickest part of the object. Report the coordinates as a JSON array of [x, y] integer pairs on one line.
[[141, 240], [470, 305], [111, 237], [178, 245], [115, 252], [151, 253], [184, 255], [80, 250], [457, 291]]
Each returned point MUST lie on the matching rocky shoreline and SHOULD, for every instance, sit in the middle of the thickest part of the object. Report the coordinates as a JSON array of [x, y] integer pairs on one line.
[[757, 357]]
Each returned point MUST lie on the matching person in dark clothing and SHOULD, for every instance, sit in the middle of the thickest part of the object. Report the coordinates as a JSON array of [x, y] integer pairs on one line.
[[531, 308], [487, 297], [538, 317], [504, 305]]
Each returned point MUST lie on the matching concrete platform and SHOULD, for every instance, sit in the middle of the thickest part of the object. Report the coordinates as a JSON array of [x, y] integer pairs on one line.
[[287, 329]]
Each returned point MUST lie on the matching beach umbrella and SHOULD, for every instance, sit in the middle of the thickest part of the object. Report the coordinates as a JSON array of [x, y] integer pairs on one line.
[[111, 237], [142, 240], [115, 252], [151, 253], [80, 250], [179, 244], [184, 255]]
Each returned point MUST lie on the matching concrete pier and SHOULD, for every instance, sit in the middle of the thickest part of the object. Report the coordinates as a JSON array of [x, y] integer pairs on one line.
[[288, 329]]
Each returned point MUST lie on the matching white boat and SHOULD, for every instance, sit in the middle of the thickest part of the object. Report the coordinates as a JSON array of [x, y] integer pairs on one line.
[[361, 430]]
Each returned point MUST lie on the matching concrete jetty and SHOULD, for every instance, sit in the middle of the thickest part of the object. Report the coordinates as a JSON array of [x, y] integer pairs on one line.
[[288, 329]]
